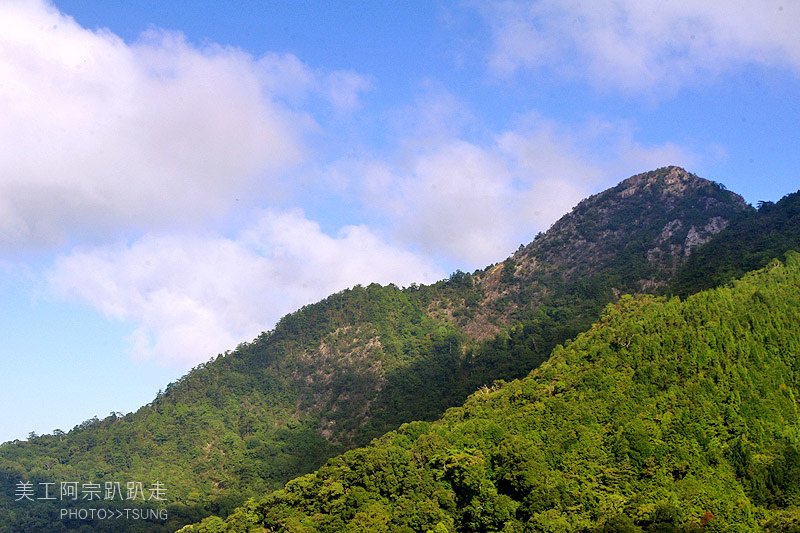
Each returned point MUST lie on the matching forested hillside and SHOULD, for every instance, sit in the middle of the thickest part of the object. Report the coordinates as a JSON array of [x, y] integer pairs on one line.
[[750, 242], [667, 415], [335, 374]]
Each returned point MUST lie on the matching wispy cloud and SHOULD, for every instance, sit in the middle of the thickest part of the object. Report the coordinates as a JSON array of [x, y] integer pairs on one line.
[[191, 297], [641, 46], [471, 202]]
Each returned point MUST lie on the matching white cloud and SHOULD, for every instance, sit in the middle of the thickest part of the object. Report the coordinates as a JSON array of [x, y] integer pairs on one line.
[[434, 116], [471, 204], [615, 143], [286, 76], [553, 173], [561, 166], [344, 87], [457, 201], [100, 136], [638, 45], [194, 297]]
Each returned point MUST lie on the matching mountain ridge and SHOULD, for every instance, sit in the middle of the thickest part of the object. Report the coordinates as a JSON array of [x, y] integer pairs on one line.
[[337, 373], [609, 230], [750, 242]]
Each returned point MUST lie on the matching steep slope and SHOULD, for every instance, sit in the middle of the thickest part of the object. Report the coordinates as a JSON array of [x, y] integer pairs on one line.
[[665, 416], [335, 374], [628, 239], [750, 242]]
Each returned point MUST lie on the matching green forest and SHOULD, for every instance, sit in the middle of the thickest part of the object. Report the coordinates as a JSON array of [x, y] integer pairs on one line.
[[666, 415]]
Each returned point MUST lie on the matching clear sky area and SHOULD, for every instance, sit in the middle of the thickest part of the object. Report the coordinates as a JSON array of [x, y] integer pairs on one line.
[[177, 175]]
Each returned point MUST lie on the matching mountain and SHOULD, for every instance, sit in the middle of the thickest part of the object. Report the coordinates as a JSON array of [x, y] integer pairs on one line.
[[666, 415], [338, 373], [628, 239]]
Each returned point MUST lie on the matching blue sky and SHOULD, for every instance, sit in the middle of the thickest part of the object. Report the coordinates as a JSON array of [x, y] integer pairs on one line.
[[175, 176]]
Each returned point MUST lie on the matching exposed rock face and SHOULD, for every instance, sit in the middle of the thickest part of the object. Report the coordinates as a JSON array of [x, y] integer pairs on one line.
[[697, 237], [658, 216], [630, 238]]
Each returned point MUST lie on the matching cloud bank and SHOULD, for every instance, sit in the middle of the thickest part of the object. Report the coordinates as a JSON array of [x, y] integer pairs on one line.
[[103, 137], [642, 46], [193, 297], [472, 203]]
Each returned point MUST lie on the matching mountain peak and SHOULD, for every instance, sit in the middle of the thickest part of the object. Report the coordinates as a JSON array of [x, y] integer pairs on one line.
[[627, 239], [648, 224], [671, 180], [675, 182], [671, 177]]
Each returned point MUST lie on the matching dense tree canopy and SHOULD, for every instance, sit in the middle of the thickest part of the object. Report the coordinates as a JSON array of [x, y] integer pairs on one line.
[[664, 416]]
